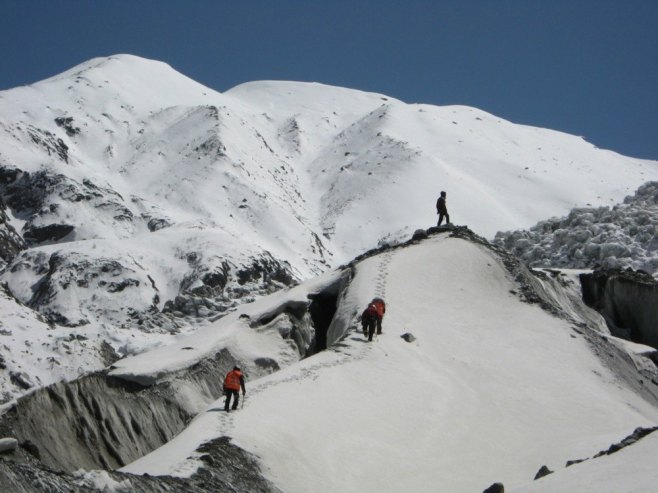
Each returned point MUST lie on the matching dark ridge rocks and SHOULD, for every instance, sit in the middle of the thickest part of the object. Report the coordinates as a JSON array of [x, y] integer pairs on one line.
[[637, 434], [543, 471], [495, 488]]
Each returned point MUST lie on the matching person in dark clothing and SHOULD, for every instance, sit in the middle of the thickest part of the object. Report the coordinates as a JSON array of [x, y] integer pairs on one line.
[[232, 383], [369, 321], [442, 209]]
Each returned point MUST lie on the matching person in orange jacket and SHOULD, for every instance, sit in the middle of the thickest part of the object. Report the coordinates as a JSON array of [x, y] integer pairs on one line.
[[232, 383]]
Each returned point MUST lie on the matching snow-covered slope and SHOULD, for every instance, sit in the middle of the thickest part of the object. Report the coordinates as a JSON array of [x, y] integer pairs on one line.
[[491, 389], [143, 204]]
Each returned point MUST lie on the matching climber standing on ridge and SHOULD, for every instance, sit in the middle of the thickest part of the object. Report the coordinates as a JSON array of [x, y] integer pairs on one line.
[[232, 383], [442, 209]]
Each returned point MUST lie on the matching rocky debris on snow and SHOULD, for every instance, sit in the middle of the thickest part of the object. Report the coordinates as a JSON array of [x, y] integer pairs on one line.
[[543, 471], [56, 206], [108, 289], [623, 236], [495, 488], [409, 337], [21, 379], [637, 434], [8, 445], [66, 122]]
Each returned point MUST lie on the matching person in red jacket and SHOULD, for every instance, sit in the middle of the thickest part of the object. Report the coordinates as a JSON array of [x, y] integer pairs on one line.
[[372, 316], [380, 306], [369, 321], [232, 383]]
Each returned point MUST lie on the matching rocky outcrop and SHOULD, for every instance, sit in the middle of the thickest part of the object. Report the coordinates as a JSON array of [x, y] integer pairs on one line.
[[628, 301], [226, 467], [11, 241]]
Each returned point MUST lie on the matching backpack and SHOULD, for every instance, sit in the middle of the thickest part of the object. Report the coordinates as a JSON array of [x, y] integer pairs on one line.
[[369, 313]]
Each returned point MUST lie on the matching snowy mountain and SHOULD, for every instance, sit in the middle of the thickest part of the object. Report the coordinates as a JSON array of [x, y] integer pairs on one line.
[[623, 236], [138, 204], [500, 372], [166, 231]]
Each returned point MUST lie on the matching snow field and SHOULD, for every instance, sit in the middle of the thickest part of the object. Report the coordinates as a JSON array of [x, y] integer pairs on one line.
[[491, 389]]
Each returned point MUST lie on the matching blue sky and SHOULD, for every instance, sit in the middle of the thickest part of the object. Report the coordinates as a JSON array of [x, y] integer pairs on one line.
[[586, 67]]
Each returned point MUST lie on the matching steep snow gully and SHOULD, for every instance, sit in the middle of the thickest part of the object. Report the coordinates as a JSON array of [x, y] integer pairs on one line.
[[100, 422]]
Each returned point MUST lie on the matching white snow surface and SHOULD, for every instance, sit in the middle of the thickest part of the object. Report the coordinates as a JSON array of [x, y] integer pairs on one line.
[[491, 389]]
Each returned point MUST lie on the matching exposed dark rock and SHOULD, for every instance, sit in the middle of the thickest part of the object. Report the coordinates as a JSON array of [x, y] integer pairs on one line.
[[266, 268], [67, 124], [419, 234], [543, 471], [108, 354], [409, 337], [226, 467], [628, 301], [47, 141], [8, 445], [156, 224], [637, 434], [268, 364], [21, 380], [10, 241], [495, 488], [51, 233], [87, 423]]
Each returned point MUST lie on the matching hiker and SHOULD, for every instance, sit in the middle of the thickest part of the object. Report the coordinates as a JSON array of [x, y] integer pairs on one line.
[[371, 318], [381, 309], [232, 383], [442, 210]]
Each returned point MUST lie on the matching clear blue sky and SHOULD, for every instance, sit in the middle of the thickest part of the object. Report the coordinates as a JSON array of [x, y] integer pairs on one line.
[[586, 67]]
